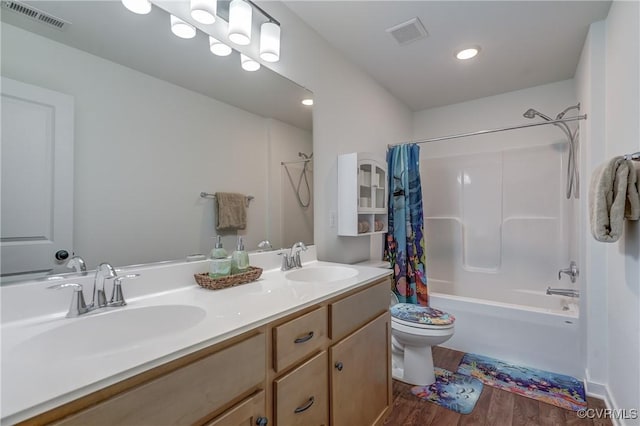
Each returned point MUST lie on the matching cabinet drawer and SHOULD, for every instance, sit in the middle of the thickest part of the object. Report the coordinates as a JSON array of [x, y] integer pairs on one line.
[[301, 396], [295, 339], [186, 395], [246, 413], [356, 310]]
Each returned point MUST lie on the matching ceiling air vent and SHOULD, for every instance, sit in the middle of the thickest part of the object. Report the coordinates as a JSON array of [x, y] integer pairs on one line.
[[408, 32], [35, 14]]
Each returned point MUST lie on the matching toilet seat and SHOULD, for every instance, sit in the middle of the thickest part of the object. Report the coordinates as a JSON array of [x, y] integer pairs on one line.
[[421, 316], [419, 326]]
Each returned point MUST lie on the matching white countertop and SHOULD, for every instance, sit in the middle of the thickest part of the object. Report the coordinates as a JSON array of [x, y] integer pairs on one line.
[[38, 378]]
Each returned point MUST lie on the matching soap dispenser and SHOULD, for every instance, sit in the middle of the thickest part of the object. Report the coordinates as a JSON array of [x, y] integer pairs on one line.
[[220, 264], [239, 259]]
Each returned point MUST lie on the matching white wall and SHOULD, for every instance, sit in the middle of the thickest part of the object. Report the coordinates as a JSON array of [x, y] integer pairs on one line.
[[351, 113], [623, 258], [144, 150], [608, 80], [589, 78]]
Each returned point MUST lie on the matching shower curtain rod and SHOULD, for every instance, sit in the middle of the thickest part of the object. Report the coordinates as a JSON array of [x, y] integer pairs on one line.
[[284, 163], [484, 132]]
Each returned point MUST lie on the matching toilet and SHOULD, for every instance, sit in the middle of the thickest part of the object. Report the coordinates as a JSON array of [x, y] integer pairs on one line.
[[414, 330]]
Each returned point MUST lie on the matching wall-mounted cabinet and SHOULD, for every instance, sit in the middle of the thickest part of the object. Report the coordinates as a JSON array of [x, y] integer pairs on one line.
[[362, 194]]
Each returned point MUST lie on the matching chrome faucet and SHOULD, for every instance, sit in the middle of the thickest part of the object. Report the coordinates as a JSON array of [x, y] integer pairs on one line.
[[77, 264], [568, 292], [292, 260], [117, 298], [265, 246], [78, 305], [103, 272], [572, 271]]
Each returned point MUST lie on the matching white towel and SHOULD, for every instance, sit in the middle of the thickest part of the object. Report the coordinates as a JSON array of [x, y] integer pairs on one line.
[[613, 196]]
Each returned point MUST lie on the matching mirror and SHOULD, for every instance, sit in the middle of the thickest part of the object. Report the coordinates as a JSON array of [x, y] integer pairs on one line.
[[156, 121]]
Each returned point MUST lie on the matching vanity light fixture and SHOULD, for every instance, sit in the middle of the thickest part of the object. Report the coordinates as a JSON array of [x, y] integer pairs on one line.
[[239, 27], [248, 64], [141, 7], [240, 13], [218, 48], [468, 53], [270, 42], [307, 102], [204, 11], [181, 28]]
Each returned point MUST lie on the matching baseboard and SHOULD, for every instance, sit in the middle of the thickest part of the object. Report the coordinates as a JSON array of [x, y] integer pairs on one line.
[[601, 391]]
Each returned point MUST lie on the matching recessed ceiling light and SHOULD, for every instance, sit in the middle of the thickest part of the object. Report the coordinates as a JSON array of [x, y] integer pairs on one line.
[[467, 53], [307, 102]]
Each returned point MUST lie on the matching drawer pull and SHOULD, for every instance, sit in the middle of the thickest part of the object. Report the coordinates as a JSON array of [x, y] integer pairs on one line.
[[339, 366], [262, 421], [304, 339], [306, 406]]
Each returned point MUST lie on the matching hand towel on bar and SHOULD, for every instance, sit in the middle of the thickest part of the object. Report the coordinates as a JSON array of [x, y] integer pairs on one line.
[[613, 191], [632, 210], [231, 214]]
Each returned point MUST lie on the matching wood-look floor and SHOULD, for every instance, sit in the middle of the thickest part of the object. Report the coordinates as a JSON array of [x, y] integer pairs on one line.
[[494, 408]]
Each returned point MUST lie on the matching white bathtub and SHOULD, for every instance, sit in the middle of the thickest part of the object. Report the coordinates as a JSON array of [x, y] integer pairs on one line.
[[545, 336]]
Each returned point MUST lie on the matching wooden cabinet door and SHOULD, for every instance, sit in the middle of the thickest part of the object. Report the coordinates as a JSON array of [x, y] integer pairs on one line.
[[360, 375], [250, 412]]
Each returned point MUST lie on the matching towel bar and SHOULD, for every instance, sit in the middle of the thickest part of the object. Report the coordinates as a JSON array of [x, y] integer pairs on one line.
[[635, 156], [209, 195]]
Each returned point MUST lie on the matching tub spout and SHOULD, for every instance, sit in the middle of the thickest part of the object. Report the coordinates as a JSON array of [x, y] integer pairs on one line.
[[569, 292]]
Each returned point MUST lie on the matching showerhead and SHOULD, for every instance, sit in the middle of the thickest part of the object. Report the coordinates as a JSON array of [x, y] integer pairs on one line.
[[531, 113], [559, 116]]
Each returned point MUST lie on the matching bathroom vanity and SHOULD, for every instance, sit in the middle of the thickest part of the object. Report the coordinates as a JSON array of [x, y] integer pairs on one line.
[[277, 352]]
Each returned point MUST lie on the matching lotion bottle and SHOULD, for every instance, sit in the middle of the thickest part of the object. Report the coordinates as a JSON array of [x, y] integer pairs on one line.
[[220, 264], [239, 259]]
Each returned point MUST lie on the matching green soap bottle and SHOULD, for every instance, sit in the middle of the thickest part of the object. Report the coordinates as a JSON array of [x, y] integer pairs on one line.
[[239, 259], [220, 265]]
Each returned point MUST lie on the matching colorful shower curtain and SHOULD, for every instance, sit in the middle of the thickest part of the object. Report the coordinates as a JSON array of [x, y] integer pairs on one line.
[[404, 245]]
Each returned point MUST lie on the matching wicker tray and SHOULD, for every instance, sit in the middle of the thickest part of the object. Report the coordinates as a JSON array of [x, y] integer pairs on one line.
[[252, 274]]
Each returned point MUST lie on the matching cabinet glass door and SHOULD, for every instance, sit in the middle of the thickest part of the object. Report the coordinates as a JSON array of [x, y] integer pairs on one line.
[[365, 189], [380, 184]]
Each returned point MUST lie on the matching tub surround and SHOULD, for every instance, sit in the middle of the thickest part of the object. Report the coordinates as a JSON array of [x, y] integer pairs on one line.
[[38, 381]]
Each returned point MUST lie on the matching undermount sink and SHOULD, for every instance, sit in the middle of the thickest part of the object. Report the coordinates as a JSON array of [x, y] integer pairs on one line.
[[322, 274], [95, 335]]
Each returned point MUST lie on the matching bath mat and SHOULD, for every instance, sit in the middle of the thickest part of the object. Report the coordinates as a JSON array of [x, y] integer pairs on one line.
[[453, 391], [552, 388]]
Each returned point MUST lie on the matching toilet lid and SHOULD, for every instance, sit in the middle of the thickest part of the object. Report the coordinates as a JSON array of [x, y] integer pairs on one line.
[[421, 314]]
